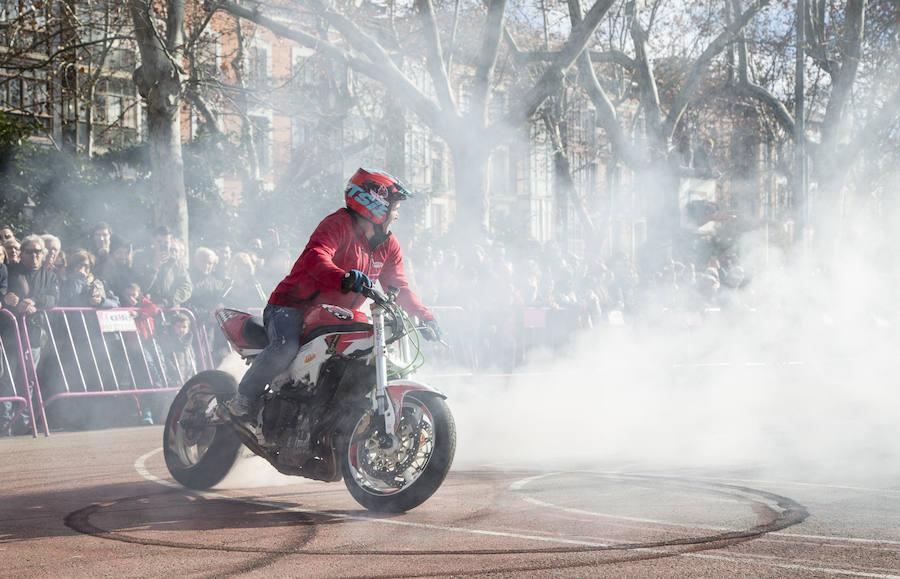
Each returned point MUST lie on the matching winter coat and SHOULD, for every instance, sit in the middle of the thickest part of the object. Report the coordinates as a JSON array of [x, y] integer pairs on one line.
[[41, 285], [76, 292], [169, 285], [337, 245], [4, 281], [206, 297]]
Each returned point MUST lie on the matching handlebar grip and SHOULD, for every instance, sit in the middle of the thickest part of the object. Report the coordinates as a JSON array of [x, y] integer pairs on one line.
[[375, 295]]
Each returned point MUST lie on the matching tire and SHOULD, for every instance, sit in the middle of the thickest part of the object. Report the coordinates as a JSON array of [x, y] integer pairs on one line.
[[200, 457], [402, 479]]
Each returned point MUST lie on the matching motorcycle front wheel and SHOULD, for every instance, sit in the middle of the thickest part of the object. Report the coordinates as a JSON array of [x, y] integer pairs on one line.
[[397, 475], [200, 449]]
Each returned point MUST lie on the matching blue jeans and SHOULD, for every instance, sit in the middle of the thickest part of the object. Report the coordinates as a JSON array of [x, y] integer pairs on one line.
[[284, 326]]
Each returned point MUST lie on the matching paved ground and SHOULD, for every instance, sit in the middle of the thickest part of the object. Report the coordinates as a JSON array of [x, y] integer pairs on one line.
[[100, 503]]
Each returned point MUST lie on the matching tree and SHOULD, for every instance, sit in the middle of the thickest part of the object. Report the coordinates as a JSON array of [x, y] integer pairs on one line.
[[160, 79], [468, 131], [852, 95], [649, 152]]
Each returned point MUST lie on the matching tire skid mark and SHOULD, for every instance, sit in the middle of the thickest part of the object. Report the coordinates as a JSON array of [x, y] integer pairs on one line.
[[784, 514]]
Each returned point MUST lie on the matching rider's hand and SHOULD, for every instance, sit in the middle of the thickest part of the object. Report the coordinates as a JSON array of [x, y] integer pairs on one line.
[[432, 331], [354, 281]]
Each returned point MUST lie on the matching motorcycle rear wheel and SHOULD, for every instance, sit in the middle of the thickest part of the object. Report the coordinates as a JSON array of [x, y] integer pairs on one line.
[[397, 480], [199, 454]]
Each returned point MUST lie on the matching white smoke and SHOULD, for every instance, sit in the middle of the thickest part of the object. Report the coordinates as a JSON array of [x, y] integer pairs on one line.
[[803, 386]]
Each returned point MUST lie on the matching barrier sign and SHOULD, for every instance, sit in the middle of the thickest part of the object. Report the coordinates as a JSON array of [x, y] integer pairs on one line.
[[116, 321]]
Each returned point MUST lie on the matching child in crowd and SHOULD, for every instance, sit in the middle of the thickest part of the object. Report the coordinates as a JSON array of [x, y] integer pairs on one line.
[[177, 348]]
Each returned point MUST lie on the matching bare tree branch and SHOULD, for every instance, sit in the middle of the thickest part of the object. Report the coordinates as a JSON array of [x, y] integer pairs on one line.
[[552, 77], [606, 112], [435, 57], [851, 41], [487, 57], [644, 71], [702, 63]]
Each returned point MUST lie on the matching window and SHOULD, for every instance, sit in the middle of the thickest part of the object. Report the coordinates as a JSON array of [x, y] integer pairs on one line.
[[259, 64], [437, 172], [540, 164], [417, 162], [15, 93], [300, 139]]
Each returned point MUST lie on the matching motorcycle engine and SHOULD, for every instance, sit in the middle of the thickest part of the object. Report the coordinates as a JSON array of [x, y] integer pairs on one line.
[[287, 424]]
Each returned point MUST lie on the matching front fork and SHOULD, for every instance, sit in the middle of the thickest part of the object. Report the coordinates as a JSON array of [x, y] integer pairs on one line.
[[381, 404]]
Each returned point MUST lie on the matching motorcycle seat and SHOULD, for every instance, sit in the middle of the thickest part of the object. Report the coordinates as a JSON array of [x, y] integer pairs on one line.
[[254, 332]]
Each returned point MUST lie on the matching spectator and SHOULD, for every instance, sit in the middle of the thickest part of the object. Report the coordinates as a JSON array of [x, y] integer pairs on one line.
[[223, 250], [6, 233], [4, 277], [131, 295], [176, 341], [178, 250], [243, 291], [32, 288], [207, 298], [118, 273], [255, 251], [81, 288], [165, 279], [5, 407], [99, 244], [53, 246], [13, 250]]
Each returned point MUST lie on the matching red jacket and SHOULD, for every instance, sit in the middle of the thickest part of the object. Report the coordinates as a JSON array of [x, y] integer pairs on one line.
[[337, 245]]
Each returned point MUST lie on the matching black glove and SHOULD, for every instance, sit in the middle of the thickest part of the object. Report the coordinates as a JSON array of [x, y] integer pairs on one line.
[[432, 331], [354, 281]]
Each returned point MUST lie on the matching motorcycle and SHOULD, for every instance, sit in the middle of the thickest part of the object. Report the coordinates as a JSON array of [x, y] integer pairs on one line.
[[344, 409]]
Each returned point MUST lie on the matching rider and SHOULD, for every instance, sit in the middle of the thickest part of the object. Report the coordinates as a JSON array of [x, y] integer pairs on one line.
[[350, 249]]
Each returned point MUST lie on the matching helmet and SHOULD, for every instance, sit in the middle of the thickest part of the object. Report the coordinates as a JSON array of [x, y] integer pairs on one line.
[[371, 193]]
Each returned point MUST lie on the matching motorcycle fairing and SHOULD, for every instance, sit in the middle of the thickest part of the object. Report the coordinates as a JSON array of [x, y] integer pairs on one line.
[[245, 331], [309, 360], [397, 390], [328, 315]]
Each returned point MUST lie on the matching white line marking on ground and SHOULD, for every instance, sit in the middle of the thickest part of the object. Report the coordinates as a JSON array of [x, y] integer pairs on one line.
[[792, 566], [140, 467], [142, 470], [519, 485]]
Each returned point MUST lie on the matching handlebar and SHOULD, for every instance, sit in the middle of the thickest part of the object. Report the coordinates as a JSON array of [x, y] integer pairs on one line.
[[387, 302], [376, 296]]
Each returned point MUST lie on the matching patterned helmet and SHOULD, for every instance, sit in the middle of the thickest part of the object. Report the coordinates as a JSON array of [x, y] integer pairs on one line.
[[370, 193]]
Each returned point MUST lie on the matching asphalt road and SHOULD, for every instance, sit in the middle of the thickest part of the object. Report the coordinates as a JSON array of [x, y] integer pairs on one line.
[[101, 503]]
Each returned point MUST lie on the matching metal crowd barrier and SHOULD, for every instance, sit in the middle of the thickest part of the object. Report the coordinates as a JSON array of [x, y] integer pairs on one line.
[[455, 322], [86, 352], [16, 369]]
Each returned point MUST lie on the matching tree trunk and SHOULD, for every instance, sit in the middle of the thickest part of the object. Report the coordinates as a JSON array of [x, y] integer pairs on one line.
[[159, 80], [470, 167]]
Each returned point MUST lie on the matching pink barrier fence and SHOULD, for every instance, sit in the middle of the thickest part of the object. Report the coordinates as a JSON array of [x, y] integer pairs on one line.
[[73, 353], [16, 376], [86, 353]]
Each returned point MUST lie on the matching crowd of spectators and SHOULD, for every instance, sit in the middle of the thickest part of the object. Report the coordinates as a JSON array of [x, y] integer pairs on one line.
[[539, 294], [496, 301], [106, 270]]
